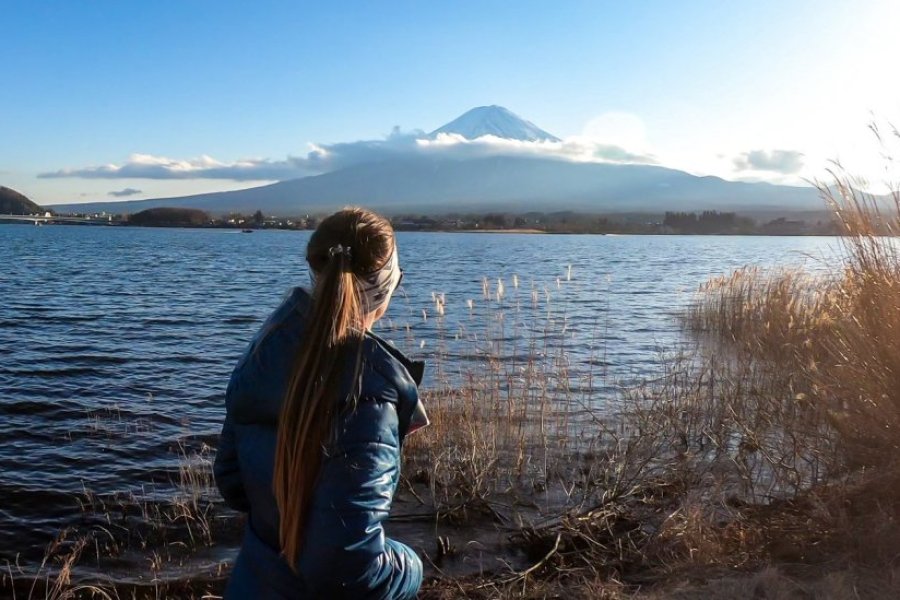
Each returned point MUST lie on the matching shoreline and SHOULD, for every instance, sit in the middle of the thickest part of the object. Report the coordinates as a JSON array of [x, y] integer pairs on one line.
[[522, 231], [447, 230]]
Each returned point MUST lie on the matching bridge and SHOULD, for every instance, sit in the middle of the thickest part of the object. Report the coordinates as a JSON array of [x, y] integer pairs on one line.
[[39, 219]]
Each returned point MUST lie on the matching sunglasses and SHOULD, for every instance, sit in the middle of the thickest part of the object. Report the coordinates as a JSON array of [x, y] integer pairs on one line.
[[400, 280]]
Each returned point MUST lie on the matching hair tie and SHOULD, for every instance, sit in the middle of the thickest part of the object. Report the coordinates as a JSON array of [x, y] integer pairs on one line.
[[339, 249]]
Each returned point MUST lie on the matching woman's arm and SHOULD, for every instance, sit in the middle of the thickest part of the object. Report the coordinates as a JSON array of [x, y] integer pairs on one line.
[[345, 552], [226, 468]]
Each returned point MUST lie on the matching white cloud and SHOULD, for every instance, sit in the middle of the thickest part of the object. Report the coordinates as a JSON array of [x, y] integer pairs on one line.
[[616, 137], [323, 158], [575, 148], [147, 166], [786, 162], [124, 193]]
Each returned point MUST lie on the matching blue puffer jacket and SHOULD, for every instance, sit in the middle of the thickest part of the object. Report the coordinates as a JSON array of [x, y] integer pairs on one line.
[[345, 553]]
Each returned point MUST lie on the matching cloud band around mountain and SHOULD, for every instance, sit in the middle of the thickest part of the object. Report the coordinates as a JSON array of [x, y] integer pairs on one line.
[[146, 166], [786, 162], [325, 158], [125, 192]]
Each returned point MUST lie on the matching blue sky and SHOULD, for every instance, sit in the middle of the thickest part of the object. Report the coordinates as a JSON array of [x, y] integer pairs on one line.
[[764, 90]]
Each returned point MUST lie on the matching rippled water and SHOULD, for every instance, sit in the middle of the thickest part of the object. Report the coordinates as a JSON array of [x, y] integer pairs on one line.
[[116, 343]]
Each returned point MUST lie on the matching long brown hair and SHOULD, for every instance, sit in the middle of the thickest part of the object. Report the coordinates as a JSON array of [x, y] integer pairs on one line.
[[334, 333]]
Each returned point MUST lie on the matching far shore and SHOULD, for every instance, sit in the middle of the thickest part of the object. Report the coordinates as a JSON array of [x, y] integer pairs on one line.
[[525, 231], [706, 222], [496, 231]]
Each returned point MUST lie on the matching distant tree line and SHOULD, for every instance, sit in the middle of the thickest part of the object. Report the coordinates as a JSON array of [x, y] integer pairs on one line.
[[557, 222], [708, 222], [14, 203], [192, 217], [170, 217]]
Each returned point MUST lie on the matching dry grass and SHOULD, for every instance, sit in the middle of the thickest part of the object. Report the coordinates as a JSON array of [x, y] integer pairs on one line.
[[157, 535], [659, 478], [835, 338], [503, 428], [181, 520]]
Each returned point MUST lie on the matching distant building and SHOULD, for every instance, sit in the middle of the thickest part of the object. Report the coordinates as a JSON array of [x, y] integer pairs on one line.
[[783, 226]]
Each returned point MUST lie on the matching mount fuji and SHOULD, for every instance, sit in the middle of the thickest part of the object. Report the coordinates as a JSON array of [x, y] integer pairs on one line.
[[497, 121], [440, 180]]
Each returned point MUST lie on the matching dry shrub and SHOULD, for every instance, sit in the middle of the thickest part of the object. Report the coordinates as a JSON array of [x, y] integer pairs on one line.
[[771, 583], [686, 459], [835, 337], [52, 579], [504, 427], [158, 533], [624, 487]]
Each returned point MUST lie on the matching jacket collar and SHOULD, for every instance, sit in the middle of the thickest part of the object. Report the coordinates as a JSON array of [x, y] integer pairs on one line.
[[415, 368]]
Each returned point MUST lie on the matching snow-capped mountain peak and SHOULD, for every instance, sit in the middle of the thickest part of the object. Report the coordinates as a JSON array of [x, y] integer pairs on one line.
[[497, 121]]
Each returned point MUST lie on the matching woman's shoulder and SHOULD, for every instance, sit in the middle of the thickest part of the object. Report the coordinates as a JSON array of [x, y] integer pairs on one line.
[[391, 365], [295, 304], [257, 381], [389, 376], [285, 321]]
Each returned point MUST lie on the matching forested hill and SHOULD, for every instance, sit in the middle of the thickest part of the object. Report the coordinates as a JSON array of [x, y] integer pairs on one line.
[[14, 203]]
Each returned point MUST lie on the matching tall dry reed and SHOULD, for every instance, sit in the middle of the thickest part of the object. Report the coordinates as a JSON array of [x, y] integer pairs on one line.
[[835, 336]]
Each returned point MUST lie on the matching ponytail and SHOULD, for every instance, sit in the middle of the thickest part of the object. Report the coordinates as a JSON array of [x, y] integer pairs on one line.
[[333, 335]]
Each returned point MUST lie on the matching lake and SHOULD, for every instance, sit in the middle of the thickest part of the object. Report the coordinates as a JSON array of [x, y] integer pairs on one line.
[[116, 343]]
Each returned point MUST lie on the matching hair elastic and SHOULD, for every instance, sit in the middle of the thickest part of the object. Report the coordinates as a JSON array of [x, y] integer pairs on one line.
[[339, 249], [375, 287]]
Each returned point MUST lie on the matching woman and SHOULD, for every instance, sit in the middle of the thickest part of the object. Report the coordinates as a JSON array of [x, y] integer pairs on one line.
[[317, 410]]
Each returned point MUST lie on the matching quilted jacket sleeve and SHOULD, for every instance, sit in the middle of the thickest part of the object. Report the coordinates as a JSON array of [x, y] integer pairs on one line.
[[347, 554], [226, 468]]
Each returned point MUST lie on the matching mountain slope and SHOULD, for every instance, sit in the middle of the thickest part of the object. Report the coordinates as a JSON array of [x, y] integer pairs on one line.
[[14, 203], [439, 185], [497, 121]]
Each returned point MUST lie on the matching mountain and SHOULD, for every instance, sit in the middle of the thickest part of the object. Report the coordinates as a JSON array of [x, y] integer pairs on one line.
[[497, 121], [14, 203], [443, 182], [439, 185]]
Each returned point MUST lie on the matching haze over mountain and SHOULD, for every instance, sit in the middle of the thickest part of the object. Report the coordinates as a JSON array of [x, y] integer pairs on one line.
[[489, 159]]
